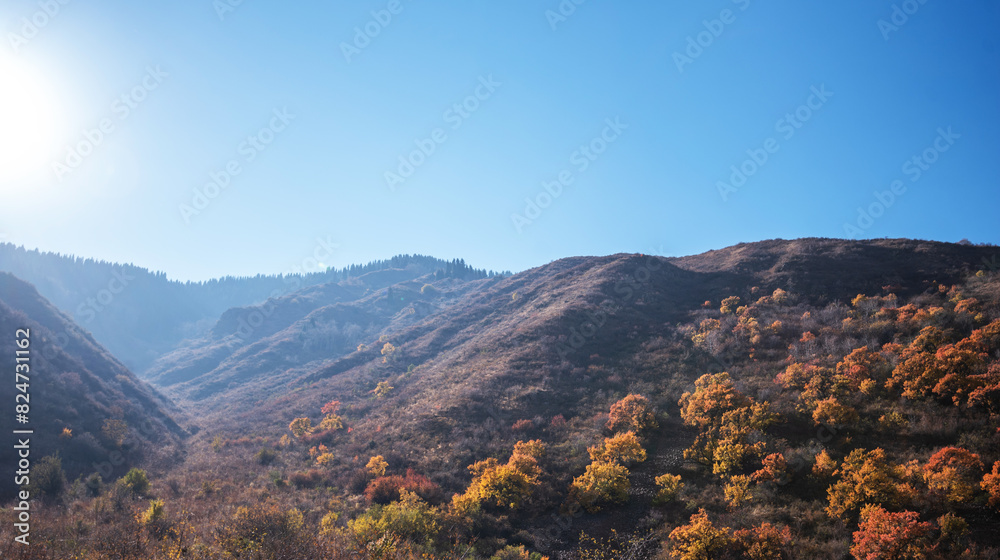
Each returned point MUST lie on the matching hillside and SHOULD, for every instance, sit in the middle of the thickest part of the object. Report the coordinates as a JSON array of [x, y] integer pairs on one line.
[[253, 350], [527, 322], [837, 269], [782, 399], [76, 385]]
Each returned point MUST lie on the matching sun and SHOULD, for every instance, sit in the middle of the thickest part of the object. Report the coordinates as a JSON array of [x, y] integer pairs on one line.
[[28, 123]]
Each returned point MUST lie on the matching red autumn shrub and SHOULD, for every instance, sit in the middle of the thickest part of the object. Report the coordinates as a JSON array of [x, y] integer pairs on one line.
[[523, 425], [883, 535], [764, 542], [386, 489]]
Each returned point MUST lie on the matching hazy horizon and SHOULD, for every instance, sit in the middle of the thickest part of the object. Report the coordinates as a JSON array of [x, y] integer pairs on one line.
[[306, 266]]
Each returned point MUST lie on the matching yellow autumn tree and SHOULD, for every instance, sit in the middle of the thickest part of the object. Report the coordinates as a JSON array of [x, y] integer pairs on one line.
[[377, 465], [503, 485], [700, 539], [624, 449], [737, 491], [602, 482], [670, 486], [714, 395], [300, 427], [865, 477], [730, 423]]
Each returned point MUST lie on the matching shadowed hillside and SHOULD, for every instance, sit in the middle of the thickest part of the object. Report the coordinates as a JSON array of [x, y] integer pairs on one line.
[[76, 385]]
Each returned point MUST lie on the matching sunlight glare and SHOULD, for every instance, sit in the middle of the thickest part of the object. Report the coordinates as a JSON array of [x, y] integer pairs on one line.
[[28, 122]]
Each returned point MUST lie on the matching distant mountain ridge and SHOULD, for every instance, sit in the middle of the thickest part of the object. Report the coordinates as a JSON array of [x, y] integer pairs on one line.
[[140, 315], [271, 341]]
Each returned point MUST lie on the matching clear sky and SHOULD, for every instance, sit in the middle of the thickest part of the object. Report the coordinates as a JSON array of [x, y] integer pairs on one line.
[[301, 118]]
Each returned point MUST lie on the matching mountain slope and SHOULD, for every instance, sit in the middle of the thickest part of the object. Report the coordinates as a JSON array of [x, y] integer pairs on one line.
[[838, 269], [540, 320], [253, 349], [76, 384], [453, 383], [517, 347]]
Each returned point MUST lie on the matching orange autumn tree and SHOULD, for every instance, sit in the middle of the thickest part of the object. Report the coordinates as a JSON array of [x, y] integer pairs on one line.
[[991, 485], [796, 376], [774, 469], [331, 419], [605, 480], [953, 473], [958, 366], [864, 369], [931, 367], [883, 535], [764, 542], [830, 411], [916, 373], [729, 305], [983, 385], [730, 423], [302, 428], [986, 395], [824, 465], [633, 413], [714, 395]]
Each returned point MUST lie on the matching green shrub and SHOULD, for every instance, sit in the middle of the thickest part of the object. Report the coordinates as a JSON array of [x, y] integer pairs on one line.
[[136, 481], [47, 477], [94, 484], [266, 456]]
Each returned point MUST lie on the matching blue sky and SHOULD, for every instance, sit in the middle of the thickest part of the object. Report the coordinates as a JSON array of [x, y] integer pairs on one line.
[[199, 84]]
